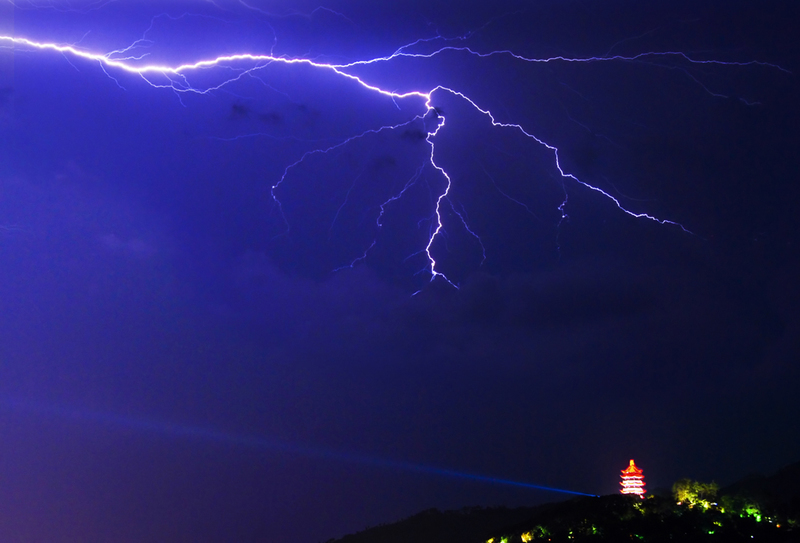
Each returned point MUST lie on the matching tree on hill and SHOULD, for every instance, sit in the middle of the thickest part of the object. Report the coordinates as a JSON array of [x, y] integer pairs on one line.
[[694, 493]]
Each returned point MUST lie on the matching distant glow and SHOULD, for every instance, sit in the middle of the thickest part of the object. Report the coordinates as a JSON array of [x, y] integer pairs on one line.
[[753, 511], [632, 480], [232, 67]]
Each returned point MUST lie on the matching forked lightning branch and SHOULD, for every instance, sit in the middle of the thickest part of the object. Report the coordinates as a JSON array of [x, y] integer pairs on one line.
[[234, 66]]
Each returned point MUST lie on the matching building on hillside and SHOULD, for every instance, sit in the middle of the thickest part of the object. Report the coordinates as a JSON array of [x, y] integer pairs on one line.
[[632, 481]]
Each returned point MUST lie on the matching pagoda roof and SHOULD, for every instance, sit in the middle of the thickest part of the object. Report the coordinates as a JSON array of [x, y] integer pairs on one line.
[[632, 470]]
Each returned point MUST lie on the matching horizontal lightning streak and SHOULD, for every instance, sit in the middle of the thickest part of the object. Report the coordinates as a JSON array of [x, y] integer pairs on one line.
[[639, 57], [177, 77], [180, 70]]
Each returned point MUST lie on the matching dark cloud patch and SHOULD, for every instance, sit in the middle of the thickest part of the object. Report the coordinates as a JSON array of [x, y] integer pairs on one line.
[[382, 162], [242, 112], [413, 135], [271, 118], [239, 111]]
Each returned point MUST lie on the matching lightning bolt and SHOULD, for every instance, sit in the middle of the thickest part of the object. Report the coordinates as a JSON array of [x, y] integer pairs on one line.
[[234, 67]]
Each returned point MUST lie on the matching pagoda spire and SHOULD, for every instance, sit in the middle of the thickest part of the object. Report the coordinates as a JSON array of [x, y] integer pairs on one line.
[[632, 481]]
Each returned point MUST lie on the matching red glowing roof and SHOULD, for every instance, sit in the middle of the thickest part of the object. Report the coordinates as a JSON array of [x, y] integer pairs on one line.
[[632, 470]]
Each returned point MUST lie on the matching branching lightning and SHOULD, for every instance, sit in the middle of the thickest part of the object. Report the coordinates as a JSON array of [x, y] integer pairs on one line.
[[236, 66], [229, 68]]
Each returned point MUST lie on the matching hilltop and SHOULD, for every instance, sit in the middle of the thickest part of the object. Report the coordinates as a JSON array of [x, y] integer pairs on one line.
[[757, 508]]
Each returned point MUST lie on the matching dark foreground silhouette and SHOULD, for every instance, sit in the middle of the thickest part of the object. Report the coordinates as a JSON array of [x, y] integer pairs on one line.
[[758, 508]]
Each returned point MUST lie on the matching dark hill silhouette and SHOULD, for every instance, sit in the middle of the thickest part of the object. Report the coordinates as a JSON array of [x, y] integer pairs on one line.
[[434, 526], [757, 508], [780, 492], [781, 487]]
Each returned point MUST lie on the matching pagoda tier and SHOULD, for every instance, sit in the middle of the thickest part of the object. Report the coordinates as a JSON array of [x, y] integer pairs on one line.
[[632, 481]]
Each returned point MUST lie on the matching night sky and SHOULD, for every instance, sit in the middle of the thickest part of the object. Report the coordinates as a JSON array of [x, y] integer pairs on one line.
[[184, 357]]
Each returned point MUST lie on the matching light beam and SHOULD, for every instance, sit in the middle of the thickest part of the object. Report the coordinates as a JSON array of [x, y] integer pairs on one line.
[[260, 443]]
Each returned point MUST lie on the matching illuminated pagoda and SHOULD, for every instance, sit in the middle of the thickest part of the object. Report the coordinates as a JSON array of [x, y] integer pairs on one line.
[[633, 481]]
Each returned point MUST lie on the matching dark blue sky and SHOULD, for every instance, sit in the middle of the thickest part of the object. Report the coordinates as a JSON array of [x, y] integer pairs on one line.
[[180, 362]]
